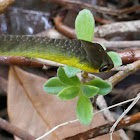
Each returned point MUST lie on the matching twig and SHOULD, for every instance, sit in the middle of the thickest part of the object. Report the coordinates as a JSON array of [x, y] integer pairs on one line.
[[101, 20], [56, 127], [130, 68], [77, 5], [104, 129], [123, 114], [134, 127], [46, 62], [72, 121], [70, 32], [118, 29], [18, 60], [15, 130], [120, 44], [102, 104], [118, 104], [129, 55]]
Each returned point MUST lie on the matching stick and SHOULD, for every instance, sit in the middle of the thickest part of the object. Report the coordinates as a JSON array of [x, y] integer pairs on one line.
[[77, 5], [15, 130], [104, 129]]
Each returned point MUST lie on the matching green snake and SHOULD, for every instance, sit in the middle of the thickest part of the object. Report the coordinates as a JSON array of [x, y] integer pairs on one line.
[[88, 56]]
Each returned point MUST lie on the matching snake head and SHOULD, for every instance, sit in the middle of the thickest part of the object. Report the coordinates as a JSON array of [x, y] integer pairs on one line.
[[97, 57]]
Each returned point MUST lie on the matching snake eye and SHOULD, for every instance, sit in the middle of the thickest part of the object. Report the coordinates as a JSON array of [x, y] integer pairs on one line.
[[104, 68]]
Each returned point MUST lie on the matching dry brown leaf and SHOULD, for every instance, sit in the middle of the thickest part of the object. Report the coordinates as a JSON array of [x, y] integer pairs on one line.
[[4, 4], [35, 111]]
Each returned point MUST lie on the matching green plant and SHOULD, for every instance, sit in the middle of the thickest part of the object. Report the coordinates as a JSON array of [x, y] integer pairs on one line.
[[67, 85]]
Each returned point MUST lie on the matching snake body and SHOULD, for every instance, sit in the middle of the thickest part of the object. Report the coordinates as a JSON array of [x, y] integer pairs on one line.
[[90, 57]]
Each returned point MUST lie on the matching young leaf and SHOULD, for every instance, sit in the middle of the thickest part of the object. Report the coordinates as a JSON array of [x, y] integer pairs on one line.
[[115, 58], [66, 80], [84, 25], [69, 93], [104, 87], [84, 110], [89, 91], [54, 86], [71, 71]]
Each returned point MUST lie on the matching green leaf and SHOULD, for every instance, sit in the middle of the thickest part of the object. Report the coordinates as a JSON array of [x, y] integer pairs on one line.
[[66, 80], [115, 58], [69, 93], [71, 71], [104, 87], [54, 86], [84, 110], [84, 25], [89, 91]]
